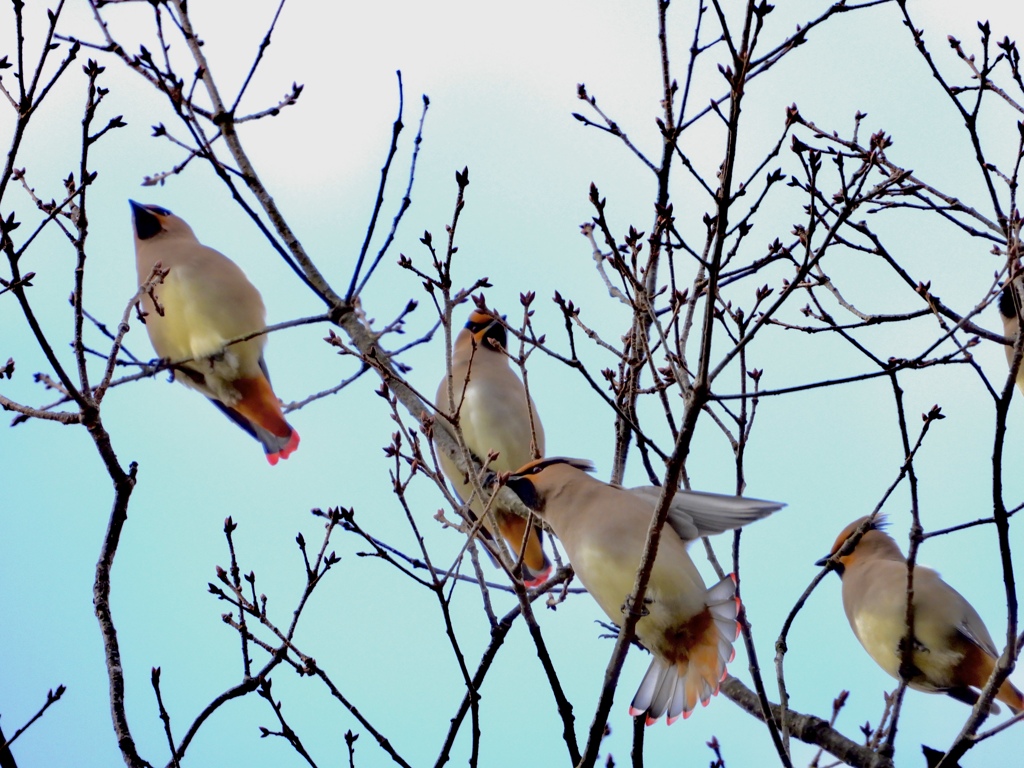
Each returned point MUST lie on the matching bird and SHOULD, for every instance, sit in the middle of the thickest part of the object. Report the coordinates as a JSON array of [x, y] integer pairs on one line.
[[1009, 303], [205, 301], [688, 628], [953, 652], [495, 414]]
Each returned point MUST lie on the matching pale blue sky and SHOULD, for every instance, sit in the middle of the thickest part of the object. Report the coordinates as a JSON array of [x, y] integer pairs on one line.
[[502, 84]]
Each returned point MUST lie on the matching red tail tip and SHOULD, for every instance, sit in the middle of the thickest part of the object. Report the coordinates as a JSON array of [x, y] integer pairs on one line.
[[288, 450], [293, 445], [538, 579]]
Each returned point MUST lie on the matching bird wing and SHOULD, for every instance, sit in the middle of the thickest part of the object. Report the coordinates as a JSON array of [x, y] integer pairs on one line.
[[933, 596], [978, 634], [693, 514]]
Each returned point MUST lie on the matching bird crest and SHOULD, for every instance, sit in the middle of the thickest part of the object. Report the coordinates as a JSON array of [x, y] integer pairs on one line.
[[879, 523], [536, 466]]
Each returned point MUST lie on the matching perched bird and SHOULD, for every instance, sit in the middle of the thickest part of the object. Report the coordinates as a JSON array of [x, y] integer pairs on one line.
[[688, 628], [204, 302], [1009, 303], [953, 652], [496, 414]]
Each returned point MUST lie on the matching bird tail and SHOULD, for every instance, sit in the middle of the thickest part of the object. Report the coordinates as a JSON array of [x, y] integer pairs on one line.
[[536, 565], [674, 686], [975, 668], [1007, 693], [258, 412], [1011, 696]]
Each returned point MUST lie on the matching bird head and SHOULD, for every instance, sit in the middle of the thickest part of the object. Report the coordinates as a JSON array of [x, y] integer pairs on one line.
[[153, 221], [1009, 301], [873, 538], [534, 481], [487, 329]]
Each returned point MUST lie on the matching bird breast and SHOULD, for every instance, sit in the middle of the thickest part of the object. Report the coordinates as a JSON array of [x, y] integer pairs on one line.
[[200, 312], [879, 622], [498, 419]]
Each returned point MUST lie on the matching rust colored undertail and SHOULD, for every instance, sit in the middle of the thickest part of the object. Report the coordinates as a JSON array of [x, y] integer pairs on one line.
[[513, 529], [259, 407], [691, 666], [976, 668]]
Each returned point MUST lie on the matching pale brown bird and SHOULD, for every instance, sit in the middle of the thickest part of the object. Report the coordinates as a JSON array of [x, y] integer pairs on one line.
[[495, 414], [1009, 303], [204, 302], [688, 628], [953, 652]]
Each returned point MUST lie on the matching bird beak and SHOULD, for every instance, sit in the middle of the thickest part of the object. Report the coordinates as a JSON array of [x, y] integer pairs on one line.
[[493, 480], [823, 561]]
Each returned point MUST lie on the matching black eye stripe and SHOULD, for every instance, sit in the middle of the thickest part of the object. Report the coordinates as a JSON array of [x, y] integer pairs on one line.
[[158, 210], [1008, 301]]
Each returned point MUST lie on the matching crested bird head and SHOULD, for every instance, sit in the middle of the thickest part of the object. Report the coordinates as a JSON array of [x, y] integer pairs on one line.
[[535, 480], [487, 329], [873, 542]]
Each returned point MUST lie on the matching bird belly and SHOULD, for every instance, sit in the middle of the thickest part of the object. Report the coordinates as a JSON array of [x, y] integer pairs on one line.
[[608, 579], [933, 657], [672, 597], [192, 328], [490, 424], [880, 636]]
